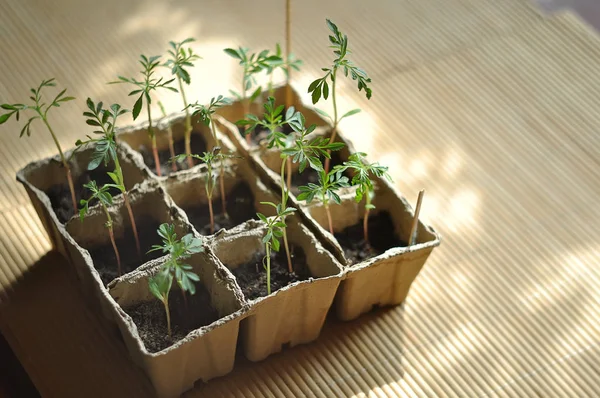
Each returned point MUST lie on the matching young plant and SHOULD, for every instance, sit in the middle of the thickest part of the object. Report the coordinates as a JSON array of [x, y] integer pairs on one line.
[[252, 65], [297, 149], [180, 59], [286, 64], [160, 284], [364, 186], [144, 88], [210, 158], [320, 87], [105, 150], [40, 110], [179, 250], [325, 191], [105, 199], [170, 133], [206, 115], [276, 227]]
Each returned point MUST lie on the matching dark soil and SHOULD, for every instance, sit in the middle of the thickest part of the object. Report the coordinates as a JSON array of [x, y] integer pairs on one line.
[[252, 276], [310, 175], [60, 195], [198, 147], [381, 238], [151, 320], [240, 208], [104, 257]]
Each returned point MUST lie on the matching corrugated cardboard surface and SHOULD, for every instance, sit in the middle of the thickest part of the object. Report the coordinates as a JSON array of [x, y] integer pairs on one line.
[[487, 105]]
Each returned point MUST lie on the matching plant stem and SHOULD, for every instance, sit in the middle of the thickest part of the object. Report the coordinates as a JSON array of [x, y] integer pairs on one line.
[[112, 238], [288, 50], [222, 170], [153, 138], [268, 253], [289, 173], [366, 219], [335, 119], [212, 217], [329, 218], [188, 125], [133, 225], [168, 313], [64, 162], [284, 196]]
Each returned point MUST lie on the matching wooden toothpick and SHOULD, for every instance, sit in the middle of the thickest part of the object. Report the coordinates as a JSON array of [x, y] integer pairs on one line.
[[415, 223]]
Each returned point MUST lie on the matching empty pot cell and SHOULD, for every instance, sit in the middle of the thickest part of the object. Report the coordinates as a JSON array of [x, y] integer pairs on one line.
[[235, 112], [295, 310], [204, 331], [243, 192], [150, 207], [139, 140], [49, 177]]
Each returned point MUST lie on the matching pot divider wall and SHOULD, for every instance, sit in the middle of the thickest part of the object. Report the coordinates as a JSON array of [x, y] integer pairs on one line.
[[46, 176], [89, 240], [386, 278], [293, 314], [243, 191], [205, 352], [137, 138]]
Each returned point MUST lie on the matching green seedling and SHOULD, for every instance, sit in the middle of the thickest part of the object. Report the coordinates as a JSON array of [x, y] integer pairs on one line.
[[160, 286], [105, 199], [170, 134], [105, 151], [206, 115], [325, 191], [174, 267], [276, 227], [286, 64], [252, 65], [144, 88], [181, 59], [40, 110], [209, 158], [364, 186], [320, 87]]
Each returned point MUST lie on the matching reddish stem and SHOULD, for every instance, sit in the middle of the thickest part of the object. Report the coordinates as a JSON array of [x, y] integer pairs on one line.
[[114, 245], [366, 227], [212, 217], [329, 219], [133, 225], [71, 187]]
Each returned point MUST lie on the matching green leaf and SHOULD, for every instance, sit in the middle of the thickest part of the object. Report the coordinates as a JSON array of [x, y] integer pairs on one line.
[[232, 53], [137, 107], [5, 117], [350, 113]]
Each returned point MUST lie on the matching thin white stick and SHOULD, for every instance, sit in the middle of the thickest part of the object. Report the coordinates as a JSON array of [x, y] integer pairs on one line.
[[415, 223]]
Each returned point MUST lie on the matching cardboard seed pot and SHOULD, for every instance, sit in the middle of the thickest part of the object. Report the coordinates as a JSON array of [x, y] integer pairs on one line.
[[293, 314], [204, 353]]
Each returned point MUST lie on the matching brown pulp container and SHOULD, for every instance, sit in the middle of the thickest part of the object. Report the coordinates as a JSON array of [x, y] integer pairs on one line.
[[293, 314], [206, 352]]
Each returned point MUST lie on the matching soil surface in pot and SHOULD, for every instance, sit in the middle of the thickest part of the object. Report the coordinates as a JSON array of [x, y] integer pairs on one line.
[[198, 147], [252, 276], [310, 175], [151, 320], [240, 208], [60, 195], [104, 257], [381, 238]]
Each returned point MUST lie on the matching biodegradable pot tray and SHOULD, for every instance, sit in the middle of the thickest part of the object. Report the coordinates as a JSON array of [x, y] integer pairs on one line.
[[293, 314], [136, 137], [243, 190], [234, 112], [205, 352], [41, 177], [386, 278]]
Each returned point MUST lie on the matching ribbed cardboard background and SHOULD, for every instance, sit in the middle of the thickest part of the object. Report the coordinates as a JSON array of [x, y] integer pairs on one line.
[[489, 106]]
